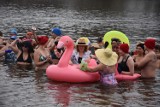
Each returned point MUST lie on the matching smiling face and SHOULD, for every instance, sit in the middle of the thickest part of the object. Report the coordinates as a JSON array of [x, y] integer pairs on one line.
[[139, 50], [81, 48], [121, 53]]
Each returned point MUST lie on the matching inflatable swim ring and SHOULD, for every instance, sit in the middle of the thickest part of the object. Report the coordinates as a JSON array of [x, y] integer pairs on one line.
[[115, 34], [70, 73], [126, 77]]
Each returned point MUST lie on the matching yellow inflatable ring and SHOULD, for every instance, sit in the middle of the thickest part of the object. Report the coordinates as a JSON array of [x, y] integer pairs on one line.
[[115, 34]]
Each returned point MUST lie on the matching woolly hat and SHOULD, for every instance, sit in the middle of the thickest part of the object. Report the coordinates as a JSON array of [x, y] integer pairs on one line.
[[124, 47], [42, 39], [57, 31], [150, 43]]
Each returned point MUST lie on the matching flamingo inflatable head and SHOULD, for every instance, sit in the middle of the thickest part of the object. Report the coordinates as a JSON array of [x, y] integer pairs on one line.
[[65, 41], [70, 73]]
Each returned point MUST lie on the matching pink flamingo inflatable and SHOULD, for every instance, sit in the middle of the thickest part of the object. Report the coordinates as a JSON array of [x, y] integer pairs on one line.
[[70, 73]]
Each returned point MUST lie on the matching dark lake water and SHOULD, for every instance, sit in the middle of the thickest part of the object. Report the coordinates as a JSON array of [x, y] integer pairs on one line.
[[23, 87]]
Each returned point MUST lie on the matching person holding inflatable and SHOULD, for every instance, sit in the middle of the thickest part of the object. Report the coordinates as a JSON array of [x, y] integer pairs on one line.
[[148, 63], [125, 62], [106, 67], [42, 57], [81, 53]]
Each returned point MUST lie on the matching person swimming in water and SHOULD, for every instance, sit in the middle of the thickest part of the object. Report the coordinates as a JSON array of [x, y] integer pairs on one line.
[[148, 63], [42, 57], [125, 62], [106, 67]]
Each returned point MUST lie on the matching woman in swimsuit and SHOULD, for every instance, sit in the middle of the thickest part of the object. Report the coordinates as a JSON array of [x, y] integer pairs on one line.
[[106, 67], [25, 53], [42, 57], [125, 62]]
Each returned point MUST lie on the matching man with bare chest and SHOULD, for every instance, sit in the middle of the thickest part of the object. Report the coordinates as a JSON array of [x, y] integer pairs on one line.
[[148, 63]]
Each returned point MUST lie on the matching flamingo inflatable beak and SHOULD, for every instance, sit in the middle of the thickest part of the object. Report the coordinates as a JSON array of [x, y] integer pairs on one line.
[[60, 45]]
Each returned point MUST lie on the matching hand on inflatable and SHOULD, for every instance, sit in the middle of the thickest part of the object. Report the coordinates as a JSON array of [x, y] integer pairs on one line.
[[83, 66], [8, 51], [87, 60]]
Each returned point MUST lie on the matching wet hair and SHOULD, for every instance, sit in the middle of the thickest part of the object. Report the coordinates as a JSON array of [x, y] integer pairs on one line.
[[1, 34], [99, 39], [56, 43], [115, 39], [106, 44], [157, 47], [141, 45], [26, 44]]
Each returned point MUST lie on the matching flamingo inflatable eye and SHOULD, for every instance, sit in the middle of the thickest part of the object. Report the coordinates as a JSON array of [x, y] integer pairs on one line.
[[67, 41]]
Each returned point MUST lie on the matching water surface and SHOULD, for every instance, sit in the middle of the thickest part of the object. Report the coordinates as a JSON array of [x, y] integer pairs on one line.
[[23, 87]]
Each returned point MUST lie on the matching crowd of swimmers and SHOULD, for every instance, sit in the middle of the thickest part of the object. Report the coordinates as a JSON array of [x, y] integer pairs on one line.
[[41, 51]]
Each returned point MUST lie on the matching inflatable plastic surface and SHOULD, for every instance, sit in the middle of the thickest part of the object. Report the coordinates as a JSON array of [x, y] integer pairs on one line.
[[70, 73], [115, 34]]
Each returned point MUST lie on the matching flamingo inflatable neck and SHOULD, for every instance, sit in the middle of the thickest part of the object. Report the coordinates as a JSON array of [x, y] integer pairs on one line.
[[69, 46]]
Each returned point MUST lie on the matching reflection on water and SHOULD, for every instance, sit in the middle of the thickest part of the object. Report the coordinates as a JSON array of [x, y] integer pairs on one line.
[[23, 87]]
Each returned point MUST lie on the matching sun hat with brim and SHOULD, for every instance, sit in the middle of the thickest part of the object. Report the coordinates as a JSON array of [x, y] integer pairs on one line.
[[82, 42], [106, 56]]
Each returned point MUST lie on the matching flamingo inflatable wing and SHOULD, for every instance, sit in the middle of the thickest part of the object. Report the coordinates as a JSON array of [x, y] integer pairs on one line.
[[70, 73]]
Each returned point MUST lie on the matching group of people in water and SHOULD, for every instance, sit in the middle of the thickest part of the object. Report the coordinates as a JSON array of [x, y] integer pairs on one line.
[[42, 51]]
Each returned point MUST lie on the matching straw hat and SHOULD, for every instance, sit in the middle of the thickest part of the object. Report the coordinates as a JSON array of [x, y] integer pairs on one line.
[[82, 42], [106, 56], [95, 45]]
